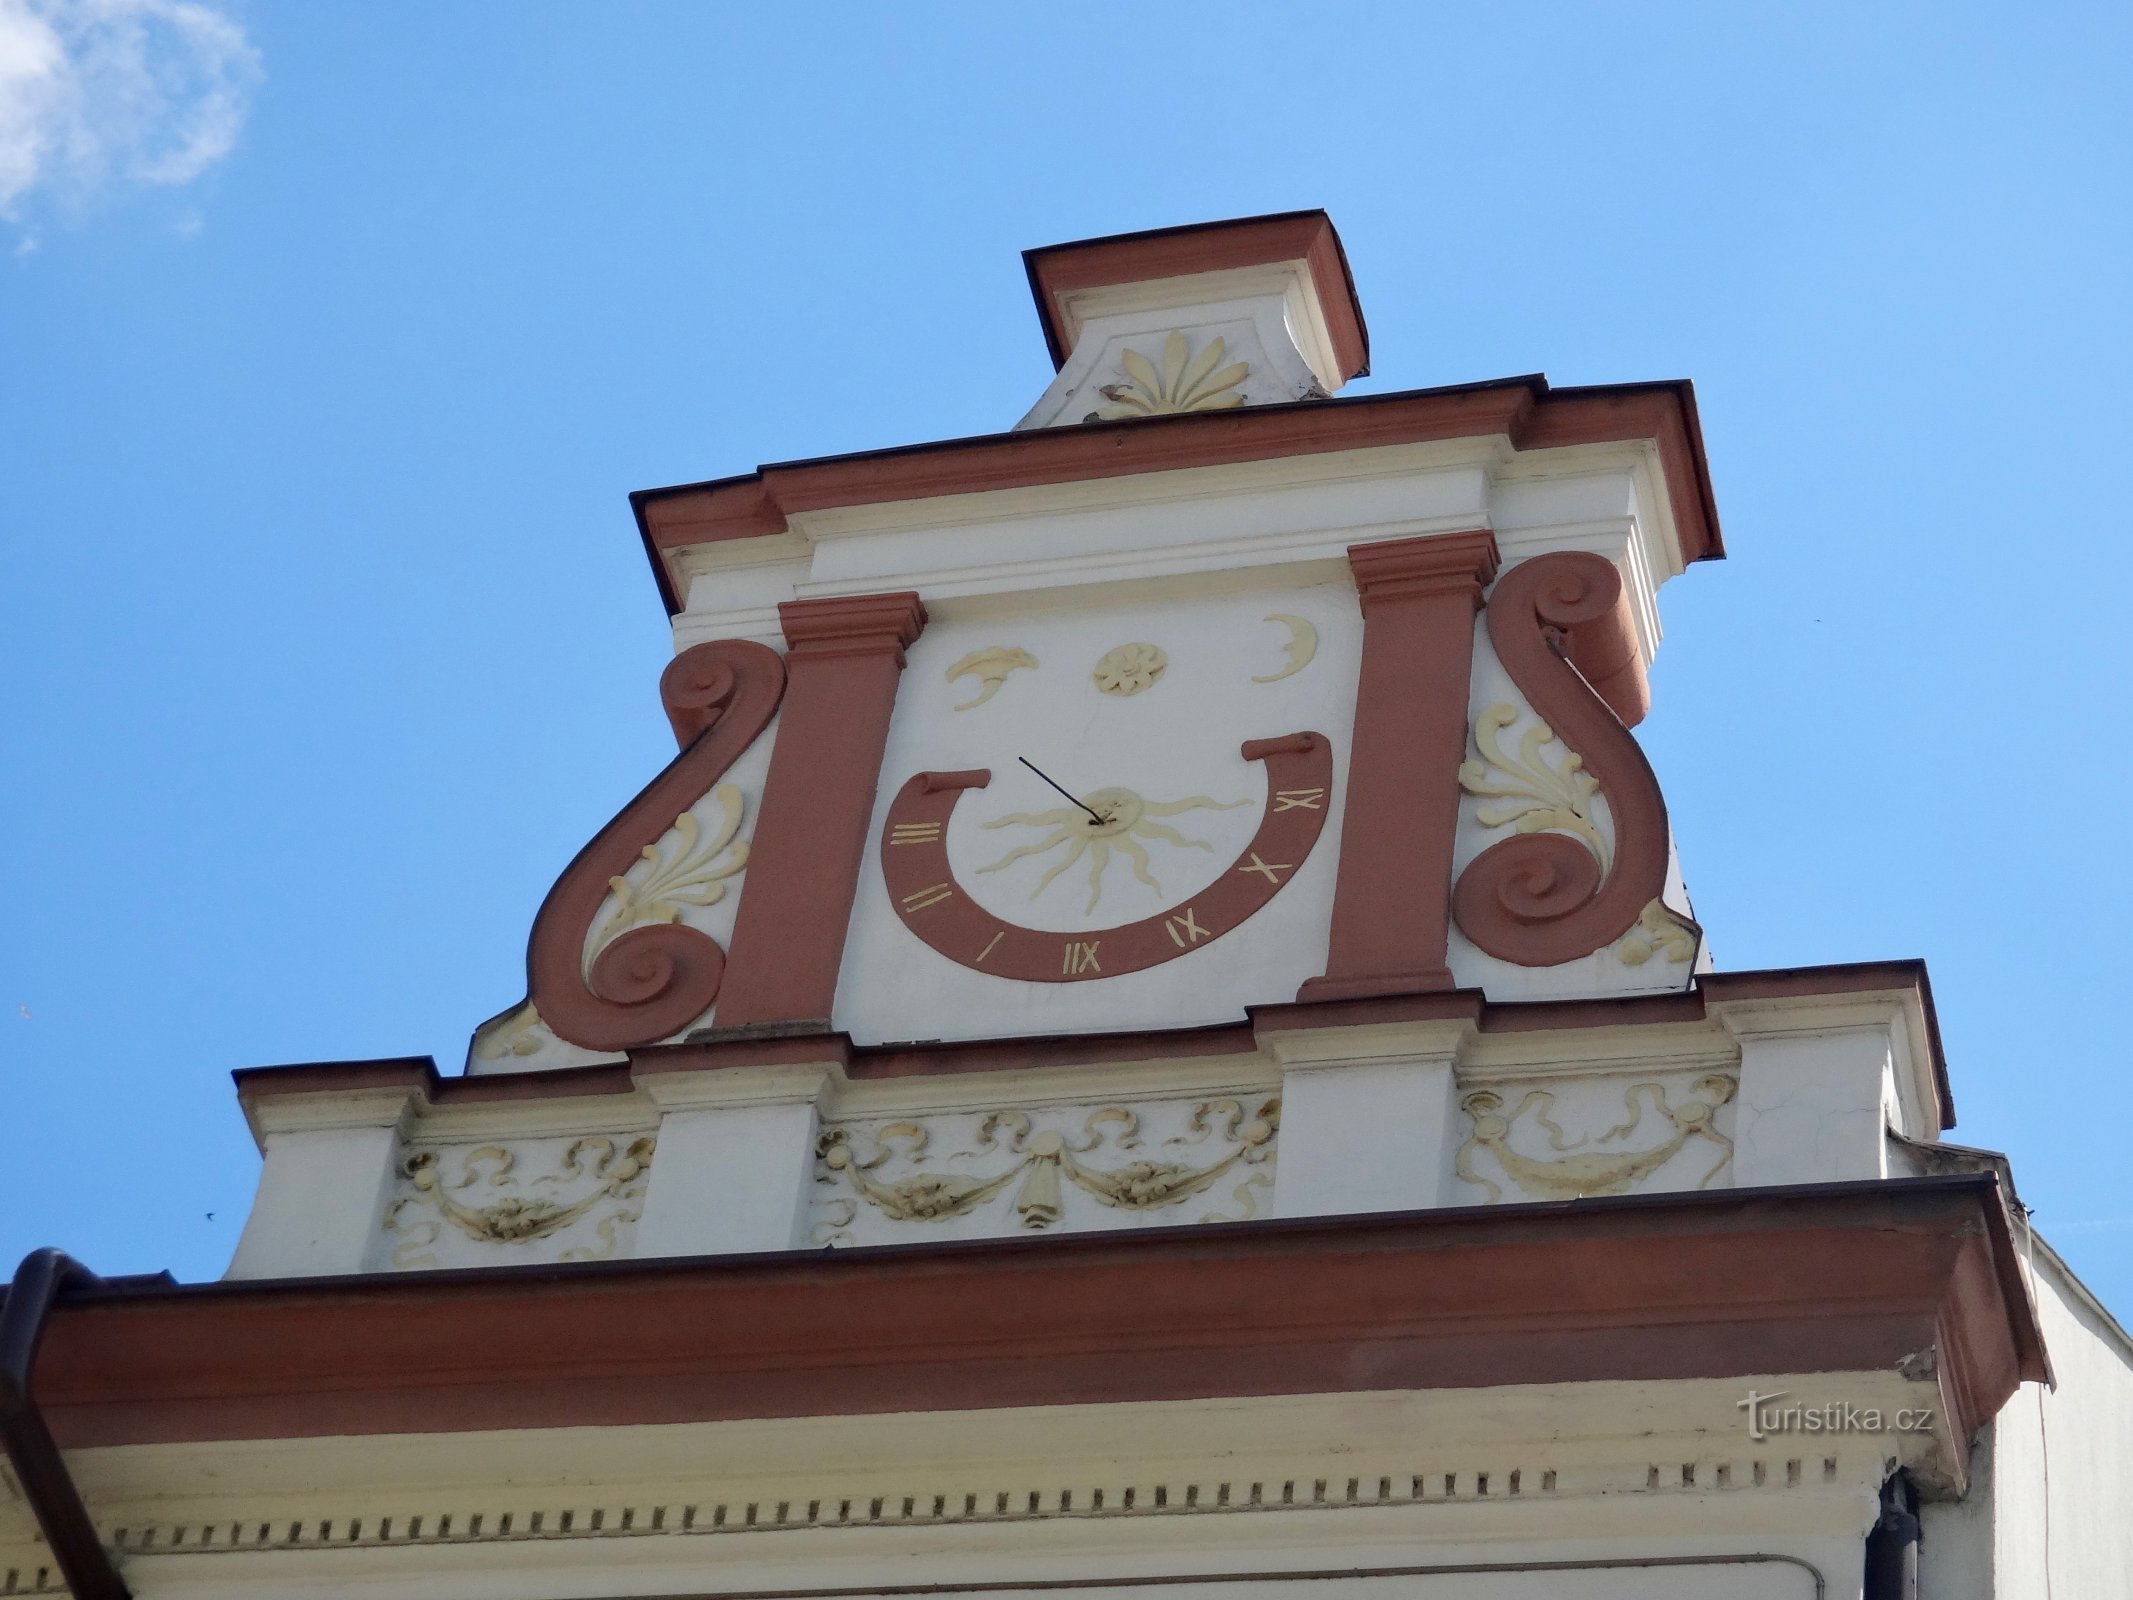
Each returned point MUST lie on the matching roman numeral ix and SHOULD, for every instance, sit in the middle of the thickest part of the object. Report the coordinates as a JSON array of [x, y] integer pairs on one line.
[[1183, 930]]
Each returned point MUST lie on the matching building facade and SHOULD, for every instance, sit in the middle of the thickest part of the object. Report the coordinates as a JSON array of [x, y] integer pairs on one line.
[[1150, 1039]]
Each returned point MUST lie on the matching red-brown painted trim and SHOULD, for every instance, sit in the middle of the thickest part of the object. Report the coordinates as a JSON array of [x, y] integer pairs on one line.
[[1015, 1055], [1058, 270], [710, 1052], [939, 911], [1663, 412], [409, 1073], [418, 1076], [1392, 895], [1525, 410], [650, 982], [718, 1050], [1854, 1277], [1560, 624], [843, 659], [715, 1049]]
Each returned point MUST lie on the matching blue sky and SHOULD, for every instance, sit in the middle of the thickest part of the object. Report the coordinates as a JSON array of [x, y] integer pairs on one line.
[[333, 337]]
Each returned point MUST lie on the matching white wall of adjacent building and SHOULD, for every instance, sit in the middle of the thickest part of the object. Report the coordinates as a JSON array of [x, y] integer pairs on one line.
[[2048, 1516]]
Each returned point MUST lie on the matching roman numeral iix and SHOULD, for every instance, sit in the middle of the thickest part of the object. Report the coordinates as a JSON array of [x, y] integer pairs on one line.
[[1079, 957]]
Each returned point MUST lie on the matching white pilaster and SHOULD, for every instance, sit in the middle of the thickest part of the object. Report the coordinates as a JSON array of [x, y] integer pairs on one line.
[[323, 1187], [736, 1156], [1369, 1117], [1816, 1100]]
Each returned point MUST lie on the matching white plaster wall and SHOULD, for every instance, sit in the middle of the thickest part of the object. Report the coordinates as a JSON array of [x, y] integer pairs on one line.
[[1368, 1135], [1737, 1552], [1814, 1107], [1007, 545], [321, 1191], [2048, 1520], [738, 1151], [1608, 1475], [1176, 740], [1012, 545], [733, 590], [1955, 1544]]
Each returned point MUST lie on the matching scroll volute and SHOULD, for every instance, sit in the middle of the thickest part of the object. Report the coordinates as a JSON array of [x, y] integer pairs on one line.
[[649, 982], [1561, 626]]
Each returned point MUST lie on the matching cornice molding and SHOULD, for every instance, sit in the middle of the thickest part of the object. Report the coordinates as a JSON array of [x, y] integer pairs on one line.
[[1526, 1037], [1524, 412], [1850, 1277], [1060, 272]]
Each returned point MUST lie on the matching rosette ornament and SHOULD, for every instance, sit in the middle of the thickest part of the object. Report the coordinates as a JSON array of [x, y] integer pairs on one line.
[[1561, 626], [649, 982]]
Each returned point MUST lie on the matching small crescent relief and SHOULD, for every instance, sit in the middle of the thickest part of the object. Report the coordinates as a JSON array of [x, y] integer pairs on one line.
[[990, 667], [1301, 647]]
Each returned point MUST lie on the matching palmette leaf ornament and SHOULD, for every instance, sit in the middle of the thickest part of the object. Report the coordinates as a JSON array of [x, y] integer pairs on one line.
[[1530, 796], [1186, 382], [693, 875], [1525, 791]]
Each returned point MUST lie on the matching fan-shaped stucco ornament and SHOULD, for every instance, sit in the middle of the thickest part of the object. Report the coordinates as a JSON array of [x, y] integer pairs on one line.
[[1187, 382]]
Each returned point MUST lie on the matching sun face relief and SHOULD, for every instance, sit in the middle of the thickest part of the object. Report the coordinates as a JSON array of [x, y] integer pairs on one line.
[[1103, 821], [933, 905]]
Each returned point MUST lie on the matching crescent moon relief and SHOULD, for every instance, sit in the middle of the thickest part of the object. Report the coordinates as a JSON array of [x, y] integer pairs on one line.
[[990, 667], [1301, 647]]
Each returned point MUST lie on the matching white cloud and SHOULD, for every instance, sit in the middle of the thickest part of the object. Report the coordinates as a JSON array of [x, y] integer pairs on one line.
[[101, 92]]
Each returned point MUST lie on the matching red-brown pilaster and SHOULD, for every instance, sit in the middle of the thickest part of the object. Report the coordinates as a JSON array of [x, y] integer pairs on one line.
[[1392, 899], [842, 662]]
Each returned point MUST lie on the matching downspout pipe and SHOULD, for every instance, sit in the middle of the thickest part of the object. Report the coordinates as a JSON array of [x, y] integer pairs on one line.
[[39, 1467], [1892, 1543]]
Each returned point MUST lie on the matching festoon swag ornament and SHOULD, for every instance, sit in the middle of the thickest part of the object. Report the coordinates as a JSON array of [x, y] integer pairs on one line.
[[1046, 1158]]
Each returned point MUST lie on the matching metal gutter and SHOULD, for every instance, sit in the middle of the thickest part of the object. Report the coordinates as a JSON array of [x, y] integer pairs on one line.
[[39, 1467]]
